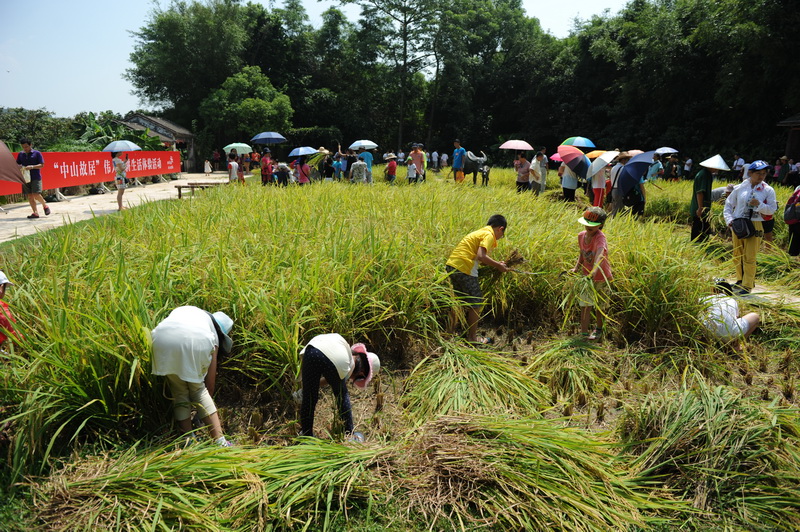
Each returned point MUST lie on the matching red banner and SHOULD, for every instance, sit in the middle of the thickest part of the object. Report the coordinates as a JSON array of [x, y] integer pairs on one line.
[[69, 169]]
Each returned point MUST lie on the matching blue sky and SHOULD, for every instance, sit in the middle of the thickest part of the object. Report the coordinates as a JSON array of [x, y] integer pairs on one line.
[[68, 56]]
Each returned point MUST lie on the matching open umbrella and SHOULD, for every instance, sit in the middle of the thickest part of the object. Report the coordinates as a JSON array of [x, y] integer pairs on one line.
[[240, 147], [574, 159], [632, 173], [600, 162], [9, 169], [122, 145], [519, 145], [268, 137], [594, 154], [366, 144], [666, 150], [302, 150], [580, 142], [556, 157]]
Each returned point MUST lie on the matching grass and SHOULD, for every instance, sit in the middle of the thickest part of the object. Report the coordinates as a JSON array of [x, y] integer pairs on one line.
[[368, 262]]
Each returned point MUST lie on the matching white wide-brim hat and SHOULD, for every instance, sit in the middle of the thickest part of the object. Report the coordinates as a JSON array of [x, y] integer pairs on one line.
[[225, 325], [715, 163]]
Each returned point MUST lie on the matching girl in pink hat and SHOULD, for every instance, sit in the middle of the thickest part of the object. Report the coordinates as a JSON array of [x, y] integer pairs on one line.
[[329, 359]]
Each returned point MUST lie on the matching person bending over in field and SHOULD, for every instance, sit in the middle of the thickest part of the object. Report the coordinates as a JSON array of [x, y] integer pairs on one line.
[[462, 268], [185, 348], [721, 316], [329, 359]]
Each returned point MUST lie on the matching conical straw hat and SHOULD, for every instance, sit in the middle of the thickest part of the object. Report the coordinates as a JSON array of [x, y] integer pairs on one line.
[[715, 163]]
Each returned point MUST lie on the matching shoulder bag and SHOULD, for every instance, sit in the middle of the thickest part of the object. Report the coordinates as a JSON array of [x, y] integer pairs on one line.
[[743, 227]]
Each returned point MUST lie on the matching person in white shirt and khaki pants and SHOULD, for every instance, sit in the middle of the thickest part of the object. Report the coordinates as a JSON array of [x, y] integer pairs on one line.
[[753, 194]]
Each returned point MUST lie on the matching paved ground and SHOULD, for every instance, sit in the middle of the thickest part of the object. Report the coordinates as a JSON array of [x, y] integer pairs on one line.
[[14, 222]]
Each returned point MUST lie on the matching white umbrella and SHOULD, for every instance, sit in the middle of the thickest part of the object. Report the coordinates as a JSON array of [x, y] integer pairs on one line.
[[122, 145], [366, 144], [666, 150], [716, 163], [601, 162], [302, 150]]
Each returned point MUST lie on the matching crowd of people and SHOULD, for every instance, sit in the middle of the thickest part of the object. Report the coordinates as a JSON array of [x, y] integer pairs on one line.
[[352, 165]]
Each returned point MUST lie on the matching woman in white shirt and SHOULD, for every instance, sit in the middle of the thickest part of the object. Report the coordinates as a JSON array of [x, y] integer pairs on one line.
[[755, 200]]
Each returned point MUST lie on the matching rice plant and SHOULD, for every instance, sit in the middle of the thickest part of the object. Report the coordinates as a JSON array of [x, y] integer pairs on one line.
[[208, 488], [570, 368], [470, 380], [724, 453], [522, 474]]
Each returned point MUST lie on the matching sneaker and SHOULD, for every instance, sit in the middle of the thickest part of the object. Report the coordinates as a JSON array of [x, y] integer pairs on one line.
[[47, 211], [33, 216]]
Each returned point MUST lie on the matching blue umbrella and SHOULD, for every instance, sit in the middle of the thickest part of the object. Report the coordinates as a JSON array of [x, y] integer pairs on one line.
[[268, 137], [633, 172], [578, 142], [122, 145], [302, 150]]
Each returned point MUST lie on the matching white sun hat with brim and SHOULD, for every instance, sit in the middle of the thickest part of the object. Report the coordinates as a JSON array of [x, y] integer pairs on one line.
[[225, 325], [715, 163], [4, 279]]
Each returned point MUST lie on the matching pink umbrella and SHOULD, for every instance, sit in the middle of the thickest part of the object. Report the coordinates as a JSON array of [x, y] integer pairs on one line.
[[519, 145], [556, 157], [9, 169]]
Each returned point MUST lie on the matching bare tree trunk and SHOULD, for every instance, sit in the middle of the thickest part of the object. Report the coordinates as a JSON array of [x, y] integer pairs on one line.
[[403, 82], [434, 97]]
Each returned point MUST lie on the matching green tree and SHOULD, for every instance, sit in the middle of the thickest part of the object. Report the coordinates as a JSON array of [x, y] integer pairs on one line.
[[245, 105], [184, 52], [411, 26]]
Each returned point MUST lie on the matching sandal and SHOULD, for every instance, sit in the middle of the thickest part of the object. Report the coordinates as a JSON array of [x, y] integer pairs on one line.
[[483, 340], [596, 334]]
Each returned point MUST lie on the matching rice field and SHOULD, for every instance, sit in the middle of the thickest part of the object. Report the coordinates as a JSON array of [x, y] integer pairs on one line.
[[656, 427]]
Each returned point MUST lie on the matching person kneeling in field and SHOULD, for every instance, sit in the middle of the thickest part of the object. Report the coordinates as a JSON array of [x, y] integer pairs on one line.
[[329, 359], [462, 268], [721, 316], [185, 348]]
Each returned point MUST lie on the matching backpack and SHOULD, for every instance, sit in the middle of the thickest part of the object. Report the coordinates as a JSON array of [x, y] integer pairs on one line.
[[791, 215]]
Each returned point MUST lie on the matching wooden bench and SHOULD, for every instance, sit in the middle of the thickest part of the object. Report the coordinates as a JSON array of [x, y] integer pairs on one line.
[[195, 185]]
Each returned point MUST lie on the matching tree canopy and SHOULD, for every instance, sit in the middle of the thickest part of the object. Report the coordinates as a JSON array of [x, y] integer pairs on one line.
[[700, 75]]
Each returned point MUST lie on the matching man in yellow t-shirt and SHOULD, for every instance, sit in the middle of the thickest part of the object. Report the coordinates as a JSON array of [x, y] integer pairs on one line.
[[462, 268]]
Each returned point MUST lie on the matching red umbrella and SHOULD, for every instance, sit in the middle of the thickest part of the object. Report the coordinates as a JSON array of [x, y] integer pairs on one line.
[[9, 169]]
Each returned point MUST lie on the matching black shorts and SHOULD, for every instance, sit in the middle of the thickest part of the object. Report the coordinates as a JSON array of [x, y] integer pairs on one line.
[[466, 287], [769, 225]]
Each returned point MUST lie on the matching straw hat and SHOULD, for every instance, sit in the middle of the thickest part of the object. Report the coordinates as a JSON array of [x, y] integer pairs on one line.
[[715, 163]]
